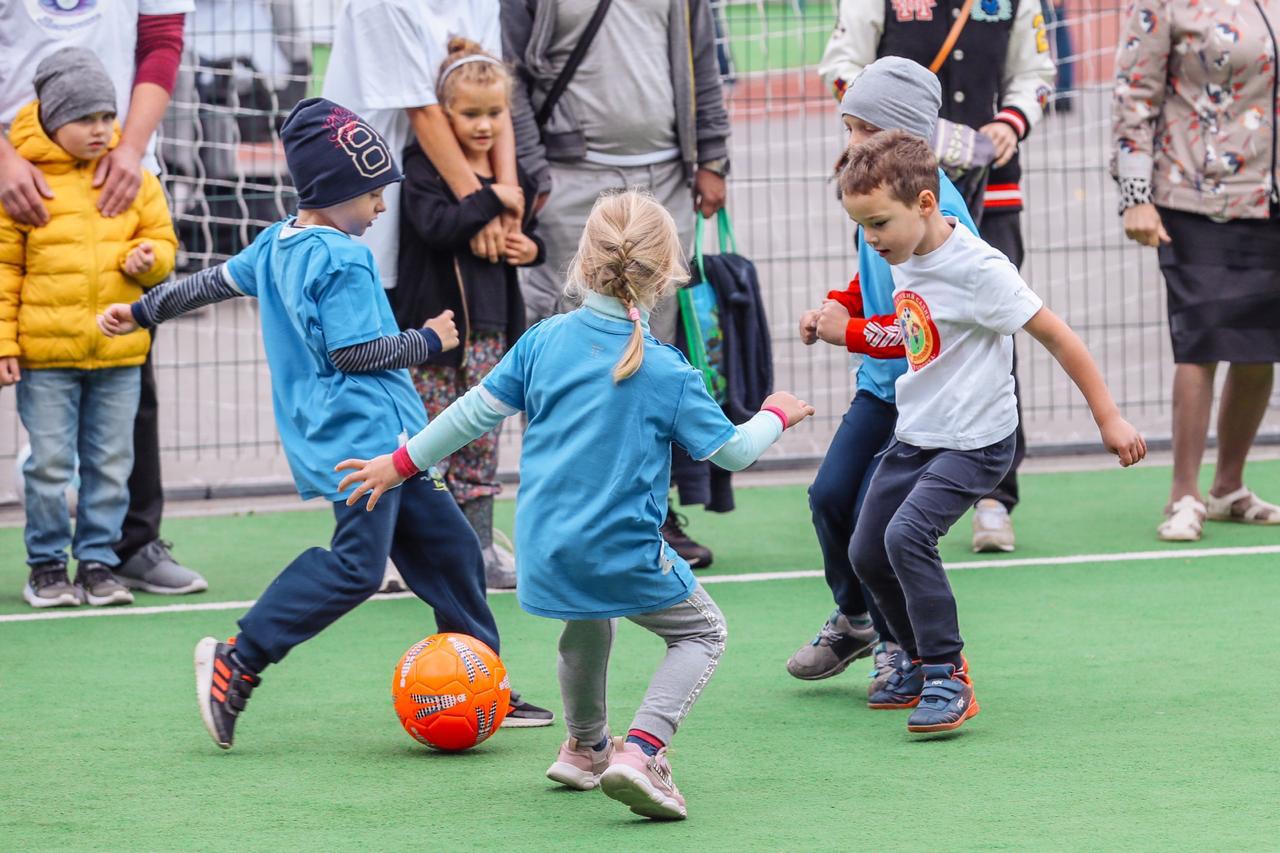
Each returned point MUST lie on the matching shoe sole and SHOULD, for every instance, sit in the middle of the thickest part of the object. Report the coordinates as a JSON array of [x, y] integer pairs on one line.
[[841, 666], [524, 723], [573, 777], [634, 790], [885, 706], [206, 650], [120, 596], [972, 711], [142, 586], [992, 548], [66, 599]]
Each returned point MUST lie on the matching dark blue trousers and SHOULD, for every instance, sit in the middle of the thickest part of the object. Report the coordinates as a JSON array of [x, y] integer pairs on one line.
[[836, 496], [914, 497], [420, 526]]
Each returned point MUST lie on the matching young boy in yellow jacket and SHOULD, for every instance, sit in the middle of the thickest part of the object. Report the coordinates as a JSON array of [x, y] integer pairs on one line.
[[77, 390]]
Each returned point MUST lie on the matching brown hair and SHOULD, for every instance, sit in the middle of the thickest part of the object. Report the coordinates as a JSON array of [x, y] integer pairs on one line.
[[901, 163], [476, 73], [629, 250]]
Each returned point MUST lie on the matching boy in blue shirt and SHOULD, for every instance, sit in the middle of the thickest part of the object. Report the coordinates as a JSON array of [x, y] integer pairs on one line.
[[337, 362]]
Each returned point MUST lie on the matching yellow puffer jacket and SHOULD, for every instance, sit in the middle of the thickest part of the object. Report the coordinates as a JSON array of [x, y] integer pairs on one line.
[[54, 280]]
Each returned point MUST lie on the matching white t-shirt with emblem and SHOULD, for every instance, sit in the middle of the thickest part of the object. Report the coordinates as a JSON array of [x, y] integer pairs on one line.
[[386, 54], [30, 30], [958, 307]]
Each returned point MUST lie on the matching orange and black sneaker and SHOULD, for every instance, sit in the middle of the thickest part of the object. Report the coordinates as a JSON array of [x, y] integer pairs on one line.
[[946, 699], [222, 688]]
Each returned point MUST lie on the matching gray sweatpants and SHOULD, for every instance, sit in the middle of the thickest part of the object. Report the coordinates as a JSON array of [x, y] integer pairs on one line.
[[694, 631], [574, 189]]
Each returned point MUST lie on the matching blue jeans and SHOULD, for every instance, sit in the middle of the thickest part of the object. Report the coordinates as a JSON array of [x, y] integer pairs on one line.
[[89, 412], [835, 498]]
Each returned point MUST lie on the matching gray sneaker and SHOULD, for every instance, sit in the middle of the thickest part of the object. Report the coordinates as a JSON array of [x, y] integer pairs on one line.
[[882, 666], [99, 587], [499, 568], [49, 586], [837, 645], [153, 569], [992, 527]]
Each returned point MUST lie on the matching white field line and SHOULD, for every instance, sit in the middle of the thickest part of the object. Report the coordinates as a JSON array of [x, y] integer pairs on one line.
[[753, 577]]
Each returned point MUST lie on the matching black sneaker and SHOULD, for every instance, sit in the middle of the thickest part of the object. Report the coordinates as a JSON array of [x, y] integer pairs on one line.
[[526, 715], [698, 556], [98, 586], [222, 688], [49, 586]]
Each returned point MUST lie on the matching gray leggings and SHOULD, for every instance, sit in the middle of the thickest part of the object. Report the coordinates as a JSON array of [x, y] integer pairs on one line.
[[694, 631]]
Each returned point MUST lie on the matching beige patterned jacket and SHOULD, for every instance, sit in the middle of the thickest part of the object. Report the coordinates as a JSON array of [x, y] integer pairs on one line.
[[1194, 113]]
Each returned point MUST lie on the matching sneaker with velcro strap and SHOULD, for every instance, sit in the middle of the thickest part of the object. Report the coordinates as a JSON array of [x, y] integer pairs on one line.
[[223, 687], [902, 689], [99, 587], [946, 700]]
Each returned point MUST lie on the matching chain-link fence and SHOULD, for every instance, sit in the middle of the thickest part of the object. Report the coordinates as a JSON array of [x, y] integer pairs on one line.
[[248, 61]]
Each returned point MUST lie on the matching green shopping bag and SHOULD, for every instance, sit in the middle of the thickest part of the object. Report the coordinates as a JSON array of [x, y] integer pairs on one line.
[[700, 313]]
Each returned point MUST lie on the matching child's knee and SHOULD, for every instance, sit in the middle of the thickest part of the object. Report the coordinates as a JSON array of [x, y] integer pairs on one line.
[[360, 575], [906, 533]]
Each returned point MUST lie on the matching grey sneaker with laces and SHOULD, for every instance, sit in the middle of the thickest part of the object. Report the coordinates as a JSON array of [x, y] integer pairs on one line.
[[49, 586], [838, 644], [153, 569], [883, 665], [99, 587]]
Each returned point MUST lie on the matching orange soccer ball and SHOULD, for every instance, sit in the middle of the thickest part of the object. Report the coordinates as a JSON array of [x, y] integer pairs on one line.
[[450, 691]]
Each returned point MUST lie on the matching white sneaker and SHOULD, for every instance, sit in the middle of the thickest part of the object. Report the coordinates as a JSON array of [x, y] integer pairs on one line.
[[992, 527], [391, 580]]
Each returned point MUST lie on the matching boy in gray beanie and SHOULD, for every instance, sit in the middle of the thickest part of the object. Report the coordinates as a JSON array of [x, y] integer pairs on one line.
[[891, 93], [71, 84]]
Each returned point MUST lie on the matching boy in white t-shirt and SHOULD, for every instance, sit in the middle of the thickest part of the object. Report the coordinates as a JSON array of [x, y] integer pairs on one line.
[[957, 301]]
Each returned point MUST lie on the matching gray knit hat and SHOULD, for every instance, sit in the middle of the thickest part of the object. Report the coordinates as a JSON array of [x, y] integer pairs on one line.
[[894, 93], [72, 83]]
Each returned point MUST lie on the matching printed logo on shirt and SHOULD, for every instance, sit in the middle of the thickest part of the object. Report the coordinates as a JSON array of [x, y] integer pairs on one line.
[[919, 334], [987, 11], [914, 10], [64, 16], [361, 142]]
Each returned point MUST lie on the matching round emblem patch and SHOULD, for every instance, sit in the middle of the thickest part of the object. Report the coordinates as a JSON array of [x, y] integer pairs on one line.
[[919, 334]]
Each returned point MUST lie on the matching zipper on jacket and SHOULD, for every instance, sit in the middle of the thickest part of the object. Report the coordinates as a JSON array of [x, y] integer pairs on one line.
[[1275, 98], [466, 314], [87, 174]]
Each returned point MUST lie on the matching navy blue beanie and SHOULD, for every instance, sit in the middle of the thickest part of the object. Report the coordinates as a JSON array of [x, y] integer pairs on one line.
[[334, 155]]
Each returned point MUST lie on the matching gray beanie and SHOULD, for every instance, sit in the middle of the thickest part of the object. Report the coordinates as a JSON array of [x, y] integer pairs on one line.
[[72, 83], [895, 94]]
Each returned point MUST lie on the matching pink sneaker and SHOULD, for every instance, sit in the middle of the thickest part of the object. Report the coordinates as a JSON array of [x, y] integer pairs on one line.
[[579, 766], [643, 783]]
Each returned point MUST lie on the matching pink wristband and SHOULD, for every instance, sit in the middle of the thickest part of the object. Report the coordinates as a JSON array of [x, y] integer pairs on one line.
[[405, 466], [776, 411]]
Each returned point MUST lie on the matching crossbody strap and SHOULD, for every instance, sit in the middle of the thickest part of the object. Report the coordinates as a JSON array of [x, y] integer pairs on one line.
[[575, 59], [952, 37]]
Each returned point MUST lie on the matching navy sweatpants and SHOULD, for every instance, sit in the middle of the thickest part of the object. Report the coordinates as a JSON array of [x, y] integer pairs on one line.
[[837, 493], [914, 497], [420, 526]]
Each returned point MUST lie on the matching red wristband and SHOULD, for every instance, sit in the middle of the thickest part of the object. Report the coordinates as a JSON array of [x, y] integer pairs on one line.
[[405, 466], [774, 410]]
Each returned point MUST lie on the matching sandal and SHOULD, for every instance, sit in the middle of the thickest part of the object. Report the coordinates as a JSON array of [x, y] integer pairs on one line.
[[1183, 520], [1251, 509]]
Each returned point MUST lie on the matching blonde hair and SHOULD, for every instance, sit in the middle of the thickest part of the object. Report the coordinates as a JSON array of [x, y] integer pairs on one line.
[[629, 250], [476, 73]]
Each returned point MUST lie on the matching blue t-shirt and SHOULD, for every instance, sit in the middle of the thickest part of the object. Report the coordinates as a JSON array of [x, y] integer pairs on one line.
[[878, 375], [595, 466], [318, 291]]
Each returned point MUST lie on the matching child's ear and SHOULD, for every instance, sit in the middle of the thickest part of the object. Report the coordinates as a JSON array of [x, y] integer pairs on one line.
[[927, 202]]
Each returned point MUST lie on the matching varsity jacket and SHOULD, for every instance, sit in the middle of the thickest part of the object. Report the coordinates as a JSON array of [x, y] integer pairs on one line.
[[1001, 34]]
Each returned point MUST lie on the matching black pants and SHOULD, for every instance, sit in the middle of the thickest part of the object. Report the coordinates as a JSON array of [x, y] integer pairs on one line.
[[146, 497], [1004, 232], [914, 497]]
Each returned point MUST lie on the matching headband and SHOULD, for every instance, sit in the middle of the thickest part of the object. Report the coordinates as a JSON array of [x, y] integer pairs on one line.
[[475, 57]]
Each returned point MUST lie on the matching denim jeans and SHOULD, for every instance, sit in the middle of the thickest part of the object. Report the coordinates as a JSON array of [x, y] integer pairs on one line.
[[89, 412]]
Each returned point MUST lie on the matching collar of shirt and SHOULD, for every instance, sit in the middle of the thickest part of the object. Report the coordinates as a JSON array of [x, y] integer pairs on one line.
[[613, 308]]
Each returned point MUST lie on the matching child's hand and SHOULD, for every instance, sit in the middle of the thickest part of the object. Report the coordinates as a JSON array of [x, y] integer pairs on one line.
[[9, 372], [140, 260], [512, 198], [809, 327], [520, 249], [833, 321], [375, 477], [1123, 440], [444, 326], [794, 408], [117, 320]]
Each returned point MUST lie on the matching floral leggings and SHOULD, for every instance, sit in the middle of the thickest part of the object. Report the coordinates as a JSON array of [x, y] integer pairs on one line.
[[471, 472]]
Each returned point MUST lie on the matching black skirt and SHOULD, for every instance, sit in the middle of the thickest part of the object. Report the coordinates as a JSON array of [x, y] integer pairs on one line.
[[1223, 281]]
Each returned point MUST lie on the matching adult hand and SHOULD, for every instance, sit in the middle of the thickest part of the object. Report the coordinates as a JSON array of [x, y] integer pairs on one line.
[[375, 476], [119, 174], [833, 322], [140, 260], [512, 199], [1120, 437], [793, 407], [1005, 139], [489, 241], [23, 189], [708, 193], [9, 371], [442, 324], [117, 320], [1142, 224], [809, 327], [540, 202]]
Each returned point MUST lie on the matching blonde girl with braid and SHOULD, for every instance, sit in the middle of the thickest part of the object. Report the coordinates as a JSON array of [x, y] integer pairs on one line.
[[604, 401]]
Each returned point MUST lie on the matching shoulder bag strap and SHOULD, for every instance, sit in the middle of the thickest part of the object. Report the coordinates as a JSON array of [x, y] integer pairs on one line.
[[952, 36], [575, 59]]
